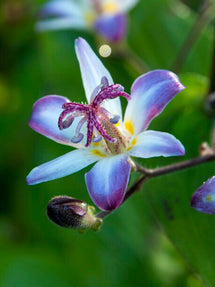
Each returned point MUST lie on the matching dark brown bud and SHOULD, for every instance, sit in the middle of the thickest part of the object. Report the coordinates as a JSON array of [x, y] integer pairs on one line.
[[72, 213]]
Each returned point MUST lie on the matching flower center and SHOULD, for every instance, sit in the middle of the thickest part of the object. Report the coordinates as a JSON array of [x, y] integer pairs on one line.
[[100, 122]]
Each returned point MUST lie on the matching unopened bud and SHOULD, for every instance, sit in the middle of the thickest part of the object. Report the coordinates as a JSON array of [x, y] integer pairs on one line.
[[205, 149], [72, 213]]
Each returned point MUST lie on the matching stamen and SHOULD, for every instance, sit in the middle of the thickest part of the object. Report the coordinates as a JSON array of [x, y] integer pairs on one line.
[[67, 122], [77, 138], [97, 137], [104, 82], [94, 114], [78, 135], [95, 92], [115, 119], [103, 133], [110, 92]]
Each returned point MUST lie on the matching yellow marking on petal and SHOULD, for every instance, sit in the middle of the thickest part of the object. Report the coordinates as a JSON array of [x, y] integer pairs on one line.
[[90, 17], [98, 152], [209, 198], [129, 127], [117, 124], [133, 143], [110, 7], [95, 144]]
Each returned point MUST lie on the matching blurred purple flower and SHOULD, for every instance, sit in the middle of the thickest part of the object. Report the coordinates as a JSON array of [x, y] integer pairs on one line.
[[107, 17], [99, 133], [203, 199]]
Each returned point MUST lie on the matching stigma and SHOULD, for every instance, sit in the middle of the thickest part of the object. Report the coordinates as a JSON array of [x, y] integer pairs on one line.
[[99, 121]]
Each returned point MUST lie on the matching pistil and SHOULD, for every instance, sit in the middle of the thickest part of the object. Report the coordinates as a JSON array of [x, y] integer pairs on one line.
[[100, 121]]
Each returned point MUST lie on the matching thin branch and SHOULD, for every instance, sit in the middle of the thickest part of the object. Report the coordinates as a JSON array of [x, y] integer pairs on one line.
[[176, 166]]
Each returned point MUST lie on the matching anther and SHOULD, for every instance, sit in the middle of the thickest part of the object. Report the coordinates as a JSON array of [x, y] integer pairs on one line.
[[97, 138], [67, 122], [77, 138], [115, 119]]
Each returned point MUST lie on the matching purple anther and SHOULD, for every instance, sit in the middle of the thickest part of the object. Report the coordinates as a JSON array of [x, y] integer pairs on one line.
[[104, 82], [77, 138], [97, 138], [115, 119]]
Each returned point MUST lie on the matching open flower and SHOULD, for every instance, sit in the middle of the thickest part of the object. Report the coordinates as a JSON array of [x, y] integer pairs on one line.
[[97, 131], [107, 17]]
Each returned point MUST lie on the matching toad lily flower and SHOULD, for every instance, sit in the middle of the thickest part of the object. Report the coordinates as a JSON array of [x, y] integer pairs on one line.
[[97, 131], [107, 17]]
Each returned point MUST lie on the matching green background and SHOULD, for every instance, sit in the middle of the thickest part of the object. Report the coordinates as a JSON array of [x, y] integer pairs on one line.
[[155, 238]]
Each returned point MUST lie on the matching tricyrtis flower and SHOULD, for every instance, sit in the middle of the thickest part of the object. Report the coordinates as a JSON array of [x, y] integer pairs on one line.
[[107, 17], [97, 131], [203, 199]]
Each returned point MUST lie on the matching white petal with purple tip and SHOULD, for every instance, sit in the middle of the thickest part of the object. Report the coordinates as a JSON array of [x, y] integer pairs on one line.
[[107, 181], [62, 166], [44, 120], [92, 71], [203, 199], [150, 93], [152, 143]]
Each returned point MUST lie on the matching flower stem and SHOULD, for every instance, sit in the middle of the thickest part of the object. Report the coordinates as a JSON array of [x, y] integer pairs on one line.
[[205, 15], [150, 173], [134, 61]]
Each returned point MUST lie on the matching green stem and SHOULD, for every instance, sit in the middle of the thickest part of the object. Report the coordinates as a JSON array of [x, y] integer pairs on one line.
[[204, 17]]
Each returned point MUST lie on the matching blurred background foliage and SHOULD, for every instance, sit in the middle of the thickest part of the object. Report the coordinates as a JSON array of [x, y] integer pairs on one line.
[[154, 239]]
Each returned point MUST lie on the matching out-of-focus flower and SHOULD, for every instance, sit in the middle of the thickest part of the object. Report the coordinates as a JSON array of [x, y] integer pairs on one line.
[[99, 133], [107, 17], [203, 199]]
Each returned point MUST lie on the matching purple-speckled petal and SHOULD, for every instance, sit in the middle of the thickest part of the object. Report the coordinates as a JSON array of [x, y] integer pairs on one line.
[[152, 143], [107, 181], [62, 166], [150, 93], [92, 71], [203, 199], [112, 26], [44, 120]]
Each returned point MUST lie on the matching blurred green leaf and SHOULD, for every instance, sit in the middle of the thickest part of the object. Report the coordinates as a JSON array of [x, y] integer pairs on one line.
[[192, 233]]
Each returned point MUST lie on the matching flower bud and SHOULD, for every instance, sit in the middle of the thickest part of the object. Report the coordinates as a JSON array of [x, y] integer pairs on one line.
[[72, 213], [203, 199]]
